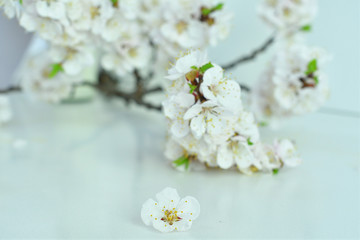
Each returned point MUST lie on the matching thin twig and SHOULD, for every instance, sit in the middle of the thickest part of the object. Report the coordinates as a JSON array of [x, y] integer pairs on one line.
[[244, 88], [251, 56], [10, 89]]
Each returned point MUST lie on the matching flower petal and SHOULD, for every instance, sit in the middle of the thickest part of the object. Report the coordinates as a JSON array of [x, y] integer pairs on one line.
[[198, 126], [225, 157], [188, 208], [149, 211], [168, 198]]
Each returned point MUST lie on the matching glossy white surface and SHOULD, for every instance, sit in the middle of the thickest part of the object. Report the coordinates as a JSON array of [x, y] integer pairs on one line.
[[87, 168]]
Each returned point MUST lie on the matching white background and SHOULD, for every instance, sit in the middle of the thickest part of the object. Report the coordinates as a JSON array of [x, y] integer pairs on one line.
[[87, 168]]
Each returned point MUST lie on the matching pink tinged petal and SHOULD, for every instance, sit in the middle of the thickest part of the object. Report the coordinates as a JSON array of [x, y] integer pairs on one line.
[[225, 157], [198, 126], [193, 111], [188, 208], [168, 198], [149, 211]]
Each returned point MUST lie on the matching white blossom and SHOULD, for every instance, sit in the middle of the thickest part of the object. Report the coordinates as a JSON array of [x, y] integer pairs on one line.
[[293, 84], [39, 83], [11, 8], [169, 212], [288, 16]]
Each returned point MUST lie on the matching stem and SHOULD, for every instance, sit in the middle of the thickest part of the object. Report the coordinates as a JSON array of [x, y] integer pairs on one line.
[[10, 89], [108, 86], [252, 55]]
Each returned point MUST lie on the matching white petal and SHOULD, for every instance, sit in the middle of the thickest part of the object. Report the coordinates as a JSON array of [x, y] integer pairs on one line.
[[180, 128], [188, 208], [225, 157], [193, 111], [149, 211], [168, 198], [245, 157], [198, 126], [163, 226]]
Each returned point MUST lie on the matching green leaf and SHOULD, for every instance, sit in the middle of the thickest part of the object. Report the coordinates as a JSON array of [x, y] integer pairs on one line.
[[21, 2], [206, 67], [312, 67], [275, 171], [181, 161], [194, 67], [249, 142], [207, 11], [114, 2], [316, 79], [263, 124], [306, 28], [56, 68], [192, 87]]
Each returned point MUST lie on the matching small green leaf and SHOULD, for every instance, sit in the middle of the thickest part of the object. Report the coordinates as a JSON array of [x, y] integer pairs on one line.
[[312, 67], [192, 87], [56, 68], [206, 67], [181, 161], [207, 11], [114, 2], [218, 7], [21, 2], [316, 79], [194, 67], [263, 124], [275, 171], [306, 28], [249, 142]]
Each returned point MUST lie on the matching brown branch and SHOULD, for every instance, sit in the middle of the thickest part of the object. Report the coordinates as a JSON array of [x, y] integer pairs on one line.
[[252, 55], [10, 89]]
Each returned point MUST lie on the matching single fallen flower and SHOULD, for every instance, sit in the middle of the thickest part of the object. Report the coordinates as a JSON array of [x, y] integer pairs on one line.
[[169, 212]]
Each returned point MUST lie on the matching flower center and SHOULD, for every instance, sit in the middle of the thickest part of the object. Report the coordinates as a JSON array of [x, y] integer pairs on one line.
[[94, 12], [181, 27], [170, 217]]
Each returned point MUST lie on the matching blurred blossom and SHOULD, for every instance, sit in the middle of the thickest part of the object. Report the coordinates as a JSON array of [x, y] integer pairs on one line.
[[127, 34], [293, 84]]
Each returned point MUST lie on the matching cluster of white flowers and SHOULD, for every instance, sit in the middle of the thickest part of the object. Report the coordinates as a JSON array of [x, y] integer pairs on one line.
[[170, 213], [127, 33], [294, 82], [208, 123], [288, 16]]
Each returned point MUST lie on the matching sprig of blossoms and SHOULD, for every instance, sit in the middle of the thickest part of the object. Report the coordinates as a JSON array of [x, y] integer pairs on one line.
[[293, 84], [125, 34], [288, 16], [207, 122]]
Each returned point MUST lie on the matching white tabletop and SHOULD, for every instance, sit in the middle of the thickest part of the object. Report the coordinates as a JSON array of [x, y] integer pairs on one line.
[[84, 170]]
